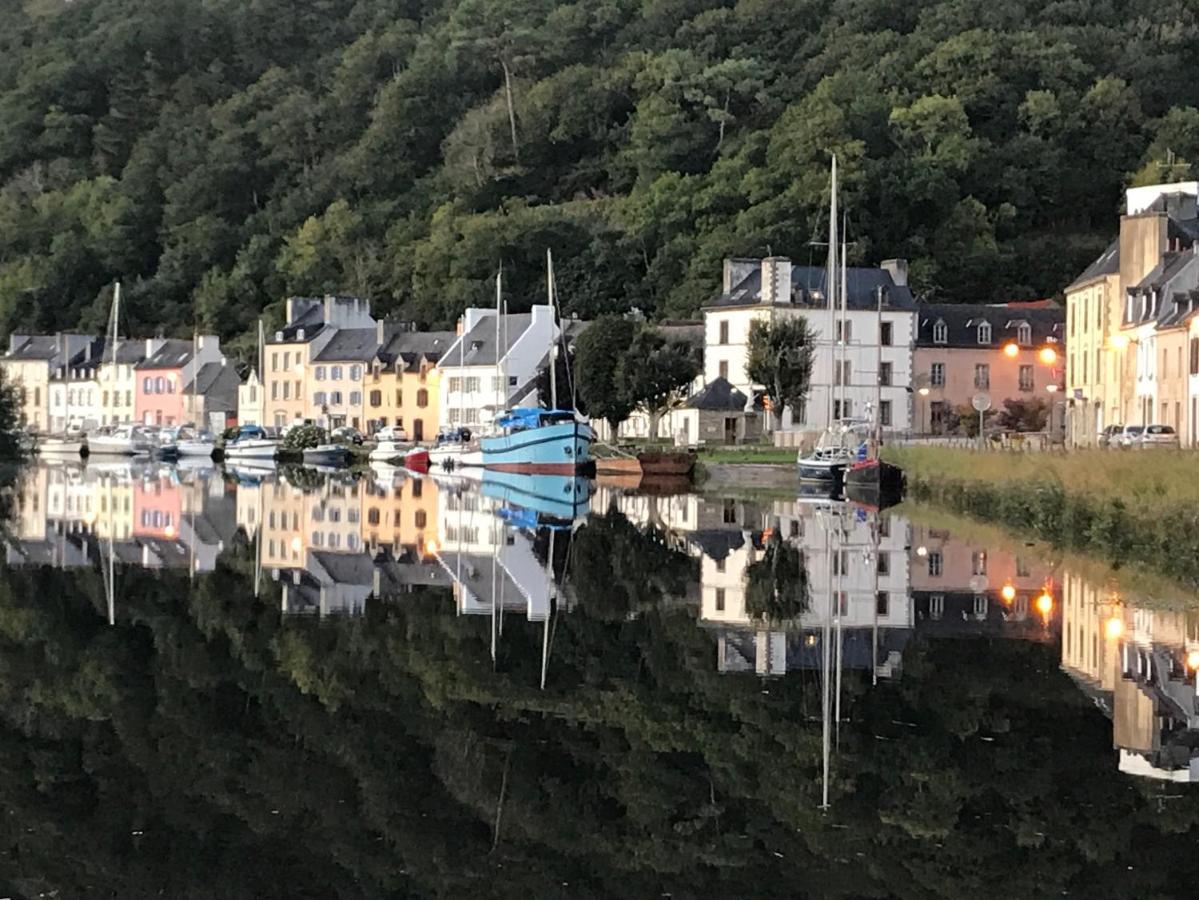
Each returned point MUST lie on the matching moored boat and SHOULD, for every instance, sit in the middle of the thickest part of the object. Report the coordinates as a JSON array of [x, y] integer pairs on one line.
[[60, 446], [839, 446], [539, 441], [417, 460], [387, 450], [327, 455], [122, 440], [251, 442], [649, 463], [874, 482]]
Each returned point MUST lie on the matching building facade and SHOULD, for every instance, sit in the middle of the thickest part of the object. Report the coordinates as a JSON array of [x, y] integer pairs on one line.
[[872, 358], [166, 392], [485, 365], [1007, 352]]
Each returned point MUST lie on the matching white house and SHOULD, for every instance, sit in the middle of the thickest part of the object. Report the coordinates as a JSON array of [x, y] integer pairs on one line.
[[479, 374], [74, 391], [847, 367]]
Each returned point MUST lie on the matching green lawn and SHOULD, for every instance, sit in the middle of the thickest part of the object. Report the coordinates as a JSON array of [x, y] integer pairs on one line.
[[749, 454]]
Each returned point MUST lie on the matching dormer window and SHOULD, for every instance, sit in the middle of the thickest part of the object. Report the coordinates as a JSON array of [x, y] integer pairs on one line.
[[1024, 334], [984, 333], [940, 332]]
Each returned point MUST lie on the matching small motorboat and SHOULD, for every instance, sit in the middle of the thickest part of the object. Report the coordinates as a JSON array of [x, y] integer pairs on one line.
[[837, 449], [387, 450], [120, 440], [190, 442], [251, 442], [60, 445], [417, 460], [327, 455]]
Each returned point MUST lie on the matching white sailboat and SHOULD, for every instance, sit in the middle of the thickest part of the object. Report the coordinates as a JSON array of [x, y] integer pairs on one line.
[[117, 440], [838, 445], [251, 441]]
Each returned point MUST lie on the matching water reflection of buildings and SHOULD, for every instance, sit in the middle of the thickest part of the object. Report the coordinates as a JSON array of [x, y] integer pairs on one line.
[[1139, 666], [141, 514]]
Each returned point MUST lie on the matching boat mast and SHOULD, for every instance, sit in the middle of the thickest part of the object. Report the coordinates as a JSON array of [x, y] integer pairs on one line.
[[844, 318], [499, 292], [549, 286], [116, 329], [830, 280]]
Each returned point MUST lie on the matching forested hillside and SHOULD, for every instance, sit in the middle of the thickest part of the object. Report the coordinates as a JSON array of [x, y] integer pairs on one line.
[[216, 156]]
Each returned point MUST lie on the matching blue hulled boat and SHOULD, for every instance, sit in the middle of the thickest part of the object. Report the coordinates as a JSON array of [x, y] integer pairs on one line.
[[545, 441], [549, 498]]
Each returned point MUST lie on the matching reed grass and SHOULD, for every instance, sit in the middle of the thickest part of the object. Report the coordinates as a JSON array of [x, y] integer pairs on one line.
[[1134, 476]]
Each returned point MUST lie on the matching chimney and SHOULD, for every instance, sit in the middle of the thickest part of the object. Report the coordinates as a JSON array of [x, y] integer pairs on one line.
[[149, 347], [379, 332], [776, 280], [897, 269]]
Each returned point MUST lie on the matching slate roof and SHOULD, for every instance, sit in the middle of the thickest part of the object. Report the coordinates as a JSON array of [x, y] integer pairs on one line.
[[344, 568], [37, 346], [480, 343], [350, 345], [717, 395], [311, 319], [1175, 282], [1107, 263], [173, 354], [218, 385], [962, 321], [861, 284], [411, 346]]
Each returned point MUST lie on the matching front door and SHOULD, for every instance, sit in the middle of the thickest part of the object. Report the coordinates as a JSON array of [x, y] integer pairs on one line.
[[730, 430], [418, 429]]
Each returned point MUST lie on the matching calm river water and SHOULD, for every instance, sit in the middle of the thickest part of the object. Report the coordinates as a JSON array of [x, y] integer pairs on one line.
[[253, 684]]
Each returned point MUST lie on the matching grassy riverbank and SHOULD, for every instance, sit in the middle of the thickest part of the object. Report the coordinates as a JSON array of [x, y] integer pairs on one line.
[[1135, 507]]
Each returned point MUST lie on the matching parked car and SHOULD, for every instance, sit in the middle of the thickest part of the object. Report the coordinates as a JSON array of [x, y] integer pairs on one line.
[[1159, 436], [347, 435], [1130, 435], [1110, 436], [392, 433]]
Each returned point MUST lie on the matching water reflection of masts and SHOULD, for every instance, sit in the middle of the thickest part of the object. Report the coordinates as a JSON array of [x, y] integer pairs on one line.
[[111, 585]]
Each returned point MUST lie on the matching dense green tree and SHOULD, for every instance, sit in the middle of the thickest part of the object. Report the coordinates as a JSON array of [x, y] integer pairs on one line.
[[781, 355], [599, 352], [220, 157], [655, 374]]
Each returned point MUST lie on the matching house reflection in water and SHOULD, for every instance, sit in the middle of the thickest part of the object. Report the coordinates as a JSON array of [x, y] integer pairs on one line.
[[1139, 666]]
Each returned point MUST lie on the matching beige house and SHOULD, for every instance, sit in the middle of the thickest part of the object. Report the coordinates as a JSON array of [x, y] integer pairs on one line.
[[288, 377], [29, 363]]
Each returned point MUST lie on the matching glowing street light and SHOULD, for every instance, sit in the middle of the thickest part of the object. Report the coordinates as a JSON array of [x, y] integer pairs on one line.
[[1118, 342], [1047, 356], [1193, 659], [1045, 603], [1008, 592], [1011, 350], [1114, 628]]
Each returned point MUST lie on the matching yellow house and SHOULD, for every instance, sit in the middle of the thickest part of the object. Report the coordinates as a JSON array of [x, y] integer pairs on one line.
[[118, 381], [403, 388], [1128, 319]]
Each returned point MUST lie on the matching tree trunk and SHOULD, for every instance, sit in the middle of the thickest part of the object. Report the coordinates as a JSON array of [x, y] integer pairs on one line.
[[511, 108], [655, 417]]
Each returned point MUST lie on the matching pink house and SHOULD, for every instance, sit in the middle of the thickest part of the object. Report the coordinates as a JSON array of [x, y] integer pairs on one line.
[[165, 378], [1006, 351]]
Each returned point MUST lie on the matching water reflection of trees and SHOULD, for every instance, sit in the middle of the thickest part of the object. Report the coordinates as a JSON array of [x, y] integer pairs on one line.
[[776, 586], [205, 747]]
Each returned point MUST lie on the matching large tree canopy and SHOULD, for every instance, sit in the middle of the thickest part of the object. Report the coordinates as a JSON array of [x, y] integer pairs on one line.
[[218, 156]]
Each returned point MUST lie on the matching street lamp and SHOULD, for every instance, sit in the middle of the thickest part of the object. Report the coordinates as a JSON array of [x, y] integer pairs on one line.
[[1011, 349], [1047, 356]]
